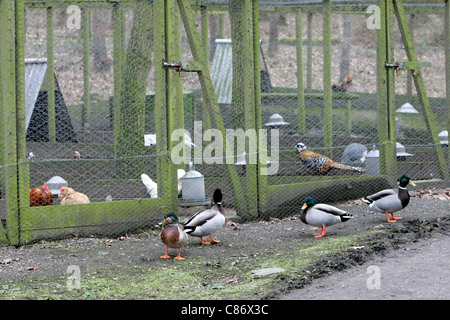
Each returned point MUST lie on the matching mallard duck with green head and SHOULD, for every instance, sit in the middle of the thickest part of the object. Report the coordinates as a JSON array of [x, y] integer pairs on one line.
[[391, 200], [322, 215], [173, 235]]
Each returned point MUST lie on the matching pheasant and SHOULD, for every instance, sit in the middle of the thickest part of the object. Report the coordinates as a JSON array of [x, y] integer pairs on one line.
[[321, 164], [345, 84]]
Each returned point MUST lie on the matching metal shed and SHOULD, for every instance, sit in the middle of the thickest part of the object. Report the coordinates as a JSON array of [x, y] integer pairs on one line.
[[36, 105], [222, 72]]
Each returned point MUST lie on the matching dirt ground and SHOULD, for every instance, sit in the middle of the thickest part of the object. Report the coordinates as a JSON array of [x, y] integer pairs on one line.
[[129, 267], [418, 271]]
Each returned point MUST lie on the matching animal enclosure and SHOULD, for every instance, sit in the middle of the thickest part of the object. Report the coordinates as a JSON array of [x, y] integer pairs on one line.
[[95, 92]]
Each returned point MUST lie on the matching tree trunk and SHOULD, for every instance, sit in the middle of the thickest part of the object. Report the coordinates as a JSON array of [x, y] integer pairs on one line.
[[101, 60], [130, 143], [273, 34], [346, 46]]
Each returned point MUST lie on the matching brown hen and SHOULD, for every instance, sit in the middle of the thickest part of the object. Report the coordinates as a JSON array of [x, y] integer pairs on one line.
[[41, 196]]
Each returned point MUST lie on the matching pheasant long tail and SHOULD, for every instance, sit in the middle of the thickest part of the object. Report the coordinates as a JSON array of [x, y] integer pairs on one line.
[[345, 167]]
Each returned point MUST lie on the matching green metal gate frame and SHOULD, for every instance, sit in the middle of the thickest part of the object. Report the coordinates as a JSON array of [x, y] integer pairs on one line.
[[22, 219]]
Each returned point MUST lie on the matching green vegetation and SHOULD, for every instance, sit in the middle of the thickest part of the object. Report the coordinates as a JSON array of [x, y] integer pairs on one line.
[[194, 278]]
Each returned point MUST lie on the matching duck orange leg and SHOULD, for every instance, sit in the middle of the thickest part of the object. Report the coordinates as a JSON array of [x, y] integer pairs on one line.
[[388, 219], [321, 234], [166, 256], [395, 218], [204, 242], [213, 241], [179, 257]]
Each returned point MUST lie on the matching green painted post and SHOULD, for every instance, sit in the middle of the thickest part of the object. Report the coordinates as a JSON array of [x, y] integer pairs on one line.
[[237, 33], [160, 97], [85, 26], [309, 53], [174, 54], [327, 92], [118, 51], [382, 87], [205, 43], [136, 70], [390, 145], [447, 59], [9, 117], [51, 75], [420, 86], [209, 96], [385, 94], [249, 88], [408, 76], [300, 89], [174, 92], [262, 159], [204, 27], [23, 167]]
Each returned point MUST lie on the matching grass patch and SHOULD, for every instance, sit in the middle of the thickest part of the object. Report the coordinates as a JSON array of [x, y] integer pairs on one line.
[[194, 278]]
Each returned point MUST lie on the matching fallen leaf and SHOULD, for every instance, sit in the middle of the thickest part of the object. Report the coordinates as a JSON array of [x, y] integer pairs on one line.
[[31, 268], [234, 280]]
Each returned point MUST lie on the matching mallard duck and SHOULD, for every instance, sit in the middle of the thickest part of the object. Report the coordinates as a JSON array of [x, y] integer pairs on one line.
[[319, 163], [204, 223], [322, 215], [390, 200], [173, 235]]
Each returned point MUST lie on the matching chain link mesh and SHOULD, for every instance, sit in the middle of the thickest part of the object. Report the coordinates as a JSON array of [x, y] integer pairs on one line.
[[98, 100]]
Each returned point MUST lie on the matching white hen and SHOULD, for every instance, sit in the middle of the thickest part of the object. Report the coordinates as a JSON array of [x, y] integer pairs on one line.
[[180, 173], [152, 187]]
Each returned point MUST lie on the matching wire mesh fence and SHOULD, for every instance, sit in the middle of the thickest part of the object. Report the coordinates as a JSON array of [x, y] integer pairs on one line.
[[275, 100]]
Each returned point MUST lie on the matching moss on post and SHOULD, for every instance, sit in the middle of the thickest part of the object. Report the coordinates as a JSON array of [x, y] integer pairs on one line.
[[130, 142]]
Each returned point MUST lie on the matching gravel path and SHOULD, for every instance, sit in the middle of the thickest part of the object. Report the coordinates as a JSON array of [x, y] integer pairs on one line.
[[420, 271]]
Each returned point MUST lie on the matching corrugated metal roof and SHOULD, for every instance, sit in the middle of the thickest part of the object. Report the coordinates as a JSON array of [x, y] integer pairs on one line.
[[222, 71], [35, 70]]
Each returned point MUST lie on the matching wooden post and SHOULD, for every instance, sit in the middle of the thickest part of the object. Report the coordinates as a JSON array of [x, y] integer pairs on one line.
[[209, 96], [160, 97], [9, 117], [262, 158], [51, 75], [408, 76], [174, 93], [85, 31], [300, 89], [130, 143], [205, 43], [250, 50], [23, 170], [391, 152], [447, 59], [119, 52], [420, 86], [309, 53], [386, 95], [327, 92]]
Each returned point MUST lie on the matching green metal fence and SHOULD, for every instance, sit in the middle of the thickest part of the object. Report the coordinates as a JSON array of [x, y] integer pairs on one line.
[[88, 86]]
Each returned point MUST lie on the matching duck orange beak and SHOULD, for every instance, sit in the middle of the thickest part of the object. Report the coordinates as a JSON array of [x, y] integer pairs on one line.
[[162, 222]]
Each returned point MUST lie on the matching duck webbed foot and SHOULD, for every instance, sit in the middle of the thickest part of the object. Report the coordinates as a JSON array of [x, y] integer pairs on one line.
[[394, 219], [321, 234]]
